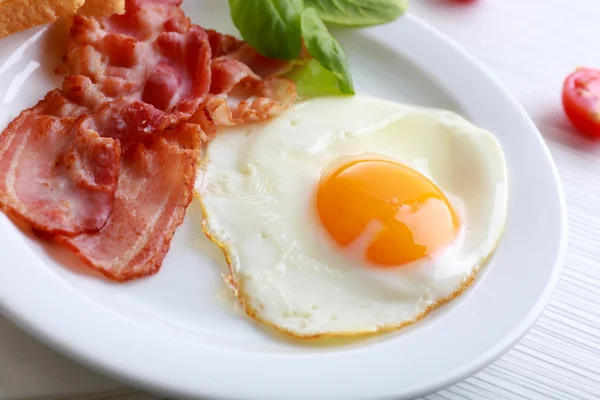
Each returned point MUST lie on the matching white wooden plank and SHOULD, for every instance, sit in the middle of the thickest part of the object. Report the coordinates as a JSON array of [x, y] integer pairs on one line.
[[560, 357]]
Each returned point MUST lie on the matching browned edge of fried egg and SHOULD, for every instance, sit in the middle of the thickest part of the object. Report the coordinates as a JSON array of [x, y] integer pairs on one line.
[[253, 313]]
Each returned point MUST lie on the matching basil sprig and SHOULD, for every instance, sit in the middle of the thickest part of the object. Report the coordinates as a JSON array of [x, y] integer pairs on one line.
[[358, 12], [325, 49], [276, 28], [270, 26]]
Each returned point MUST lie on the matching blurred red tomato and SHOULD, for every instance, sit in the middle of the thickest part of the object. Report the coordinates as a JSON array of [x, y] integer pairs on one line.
[[581, 100]]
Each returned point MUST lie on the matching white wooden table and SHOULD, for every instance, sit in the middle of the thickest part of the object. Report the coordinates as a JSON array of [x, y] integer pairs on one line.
[[530, 45]]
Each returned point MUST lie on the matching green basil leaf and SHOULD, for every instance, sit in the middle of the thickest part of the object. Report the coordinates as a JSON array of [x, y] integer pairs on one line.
[[272, 27], [325, 49], [358, 12], [312, 80]]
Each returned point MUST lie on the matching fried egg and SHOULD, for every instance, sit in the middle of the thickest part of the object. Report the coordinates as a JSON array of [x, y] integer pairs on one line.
[[352, 215]]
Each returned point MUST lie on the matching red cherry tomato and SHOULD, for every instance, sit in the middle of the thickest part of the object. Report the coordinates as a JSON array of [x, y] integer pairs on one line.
[[581, 100]]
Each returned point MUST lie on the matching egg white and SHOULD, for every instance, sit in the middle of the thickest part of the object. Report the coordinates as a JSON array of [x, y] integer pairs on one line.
[[257, 190]]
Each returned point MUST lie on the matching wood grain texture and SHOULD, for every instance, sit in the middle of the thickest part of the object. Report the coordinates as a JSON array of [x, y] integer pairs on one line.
[[530, 45], [560, 357]]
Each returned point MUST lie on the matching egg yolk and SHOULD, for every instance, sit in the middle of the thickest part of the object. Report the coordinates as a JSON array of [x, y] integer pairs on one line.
[[388, 210]]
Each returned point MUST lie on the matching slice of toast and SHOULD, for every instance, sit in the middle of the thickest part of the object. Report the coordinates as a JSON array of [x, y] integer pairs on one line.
[[18, 15], [100, 8]]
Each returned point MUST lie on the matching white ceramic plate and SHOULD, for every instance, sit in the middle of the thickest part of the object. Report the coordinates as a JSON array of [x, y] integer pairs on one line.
[[180, 333]]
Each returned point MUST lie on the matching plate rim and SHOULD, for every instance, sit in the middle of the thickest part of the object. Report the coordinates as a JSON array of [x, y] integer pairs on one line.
[[13, 304]]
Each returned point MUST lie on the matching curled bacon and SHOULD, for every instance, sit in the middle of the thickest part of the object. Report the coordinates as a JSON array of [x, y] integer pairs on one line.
[[245, 85], [155, 187], [56, 173], [151, 54], [264, 99]]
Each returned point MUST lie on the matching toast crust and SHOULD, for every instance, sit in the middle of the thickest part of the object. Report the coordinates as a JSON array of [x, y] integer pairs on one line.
[[18, 15]]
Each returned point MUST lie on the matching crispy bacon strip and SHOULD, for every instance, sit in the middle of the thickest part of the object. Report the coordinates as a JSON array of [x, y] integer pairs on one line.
[[151, 54], [221, 44], [56, 173], [245, 86], [229, 46], [155, 188], [271, 97], [59, 161]]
